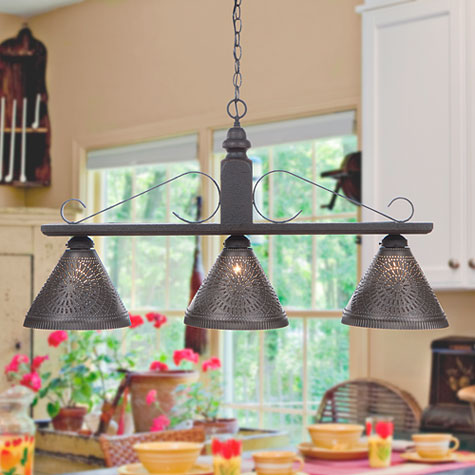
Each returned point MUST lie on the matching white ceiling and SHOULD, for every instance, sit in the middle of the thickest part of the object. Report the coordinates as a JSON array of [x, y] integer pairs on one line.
[[28, 8]]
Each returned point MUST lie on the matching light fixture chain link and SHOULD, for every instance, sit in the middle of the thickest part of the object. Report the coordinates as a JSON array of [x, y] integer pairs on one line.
[[237, 76]]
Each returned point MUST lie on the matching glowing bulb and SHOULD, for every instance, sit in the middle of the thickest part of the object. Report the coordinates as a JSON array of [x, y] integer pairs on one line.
[[237, 269]]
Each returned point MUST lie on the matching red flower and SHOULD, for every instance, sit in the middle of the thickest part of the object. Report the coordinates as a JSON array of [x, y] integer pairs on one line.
[[160, 423], [158, 366], [384, 429], [57, 337], [216, 447], [151, 397], [15, 363], [369, 427], [38, 361], [186, 354], [227, 450], [212, 364], [236, 446], [136, 321], [31, 380], [157, 318]]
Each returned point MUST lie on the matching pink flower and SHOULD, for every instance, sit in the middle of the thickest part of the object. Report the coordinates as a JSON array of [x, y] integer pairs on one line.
[[157, 318], [38, 361], [158, 366], [57, 337], [15, 363], [151, 397], [186, 354], [211, 364], [136, 321], [160, 423], [31, 380]]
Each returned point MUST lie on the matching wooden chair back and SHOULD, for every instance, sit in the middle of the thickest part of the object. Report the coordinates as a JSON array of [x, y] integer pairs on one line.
[[118, 449], [354, 400]]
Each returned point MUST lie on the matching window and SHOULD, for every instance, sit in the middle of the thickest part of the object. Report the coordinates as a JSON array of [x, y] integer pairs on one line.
[[274, 378], [277, 378], [150, 273]]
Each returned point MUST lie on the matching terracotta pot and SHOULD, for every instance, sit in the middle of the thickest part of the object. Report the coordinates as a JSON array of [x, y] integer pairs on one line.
[[164, 382], [69, 419], [218, 426]]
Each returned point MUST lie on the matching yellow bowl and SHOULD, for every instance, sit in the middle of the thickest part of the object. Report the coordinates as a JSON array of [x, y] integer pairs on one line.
[[335, 436], [168, 457]]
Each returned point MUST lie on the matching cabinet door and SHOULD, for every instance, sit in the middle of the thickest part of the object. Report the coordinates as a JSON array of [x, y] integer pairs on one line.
[[15, 300], [413, 128], [470, 27]]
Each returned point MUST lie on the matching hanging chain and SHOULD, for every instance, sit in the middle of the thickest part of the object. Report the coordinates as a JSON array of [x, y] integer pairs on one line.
[[237, 77]]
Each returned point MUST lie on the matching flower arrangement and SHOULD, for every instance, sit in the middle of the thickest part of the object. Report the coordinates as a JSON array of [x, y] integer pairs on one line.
[[226, 456]]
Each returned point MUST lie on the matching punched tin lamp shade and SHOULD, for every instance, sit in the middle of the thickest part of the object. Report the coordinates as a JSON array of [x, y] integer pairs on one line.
[[236, 294], [394, 293], [78, 294]]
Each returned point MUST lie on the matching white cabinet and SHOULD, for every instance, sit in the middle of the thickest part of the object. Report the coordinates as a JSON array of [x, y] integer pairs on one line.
[[417, 128]]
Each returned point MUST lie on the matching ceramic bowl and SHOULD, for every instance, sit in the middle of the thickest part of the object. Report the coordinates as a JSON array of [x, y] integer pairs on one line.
[[335, 436], [168, 457]]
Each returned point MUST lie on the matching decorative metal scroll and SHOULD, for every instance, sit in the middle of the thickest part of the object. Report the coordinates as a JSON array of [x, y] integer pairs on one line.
[[143, 193], [355, 202]]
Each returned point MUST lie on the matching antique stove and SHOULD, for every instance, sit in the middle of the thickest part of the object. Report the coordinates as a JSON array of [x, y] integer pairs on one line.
[[453, 368]]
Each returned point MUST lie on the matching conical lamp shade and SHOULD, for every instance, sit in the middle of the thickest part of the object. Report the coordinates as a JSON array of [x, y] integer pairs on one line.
[[78, 294], [236, 294], [394, 293]]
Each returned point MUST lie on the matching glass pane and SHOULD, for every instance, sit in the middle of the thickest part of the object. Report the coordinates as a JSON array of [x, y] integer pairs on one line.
[[152, 206], [150, 272], [327, 355], [329, 156], [291, 194], [241, 366], [171, 336], [290, 423], [248, 419], [292, 270], [336, 270], [117, 257], [283, 371], [181, 265]]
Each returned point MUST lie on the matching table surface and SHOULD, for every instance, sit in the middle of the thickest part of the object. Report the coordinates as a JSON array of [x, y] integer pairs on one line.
[[247, 466]]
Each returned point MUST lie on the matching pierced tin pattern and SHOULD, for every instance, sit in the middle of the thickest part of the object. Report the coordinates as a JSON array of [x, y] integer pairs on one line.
[[236, 295], [78, 295], [394, 294]]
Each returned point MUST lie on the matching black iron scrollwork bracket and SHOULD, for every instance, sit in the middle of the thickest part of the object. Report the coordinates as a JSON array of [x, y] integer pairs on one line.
[[236, 200]]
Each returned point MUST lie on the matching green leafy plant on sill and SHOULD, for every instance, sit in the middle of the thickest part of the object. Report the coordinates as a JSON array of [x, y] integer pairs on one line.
[[93, 363], [201, 400]]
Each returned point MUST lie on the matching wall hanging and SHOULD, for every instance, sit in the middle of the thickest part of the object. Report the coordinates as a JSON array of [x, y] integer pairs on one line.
[[236, 294], [24, 121]]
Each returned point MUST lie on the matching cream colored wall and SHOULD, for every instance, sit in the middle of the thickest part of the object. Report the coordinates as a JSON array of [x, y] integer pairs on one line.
[[121, 64]]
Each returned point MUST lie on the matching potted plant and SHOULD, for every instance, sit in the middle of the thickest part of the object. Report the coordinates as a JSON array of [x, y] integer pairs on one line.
[[70, 392], [198, 403], [161, 381]]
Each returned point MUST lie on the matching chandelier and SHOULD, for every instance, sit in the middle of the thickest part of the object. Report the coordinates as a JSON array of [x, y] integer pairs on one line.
[[236, 294]]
